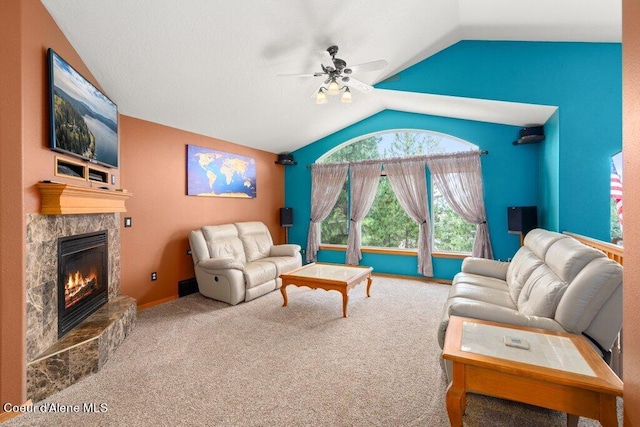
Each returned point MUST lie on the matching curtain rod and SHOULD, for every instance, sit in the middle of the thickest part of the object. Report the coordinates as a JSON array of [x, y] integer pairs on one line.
[[425, 156]]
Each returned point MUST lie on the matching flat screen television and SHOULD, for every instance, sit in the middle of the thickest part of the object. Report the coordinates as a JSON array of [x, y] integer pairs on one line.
[[84, 122]]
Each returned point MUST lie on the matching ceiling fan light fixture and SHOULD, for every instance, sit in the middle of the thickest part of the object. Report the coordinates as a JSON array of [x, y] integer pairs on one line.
[[346, 96], [333, 88], [321, 98]]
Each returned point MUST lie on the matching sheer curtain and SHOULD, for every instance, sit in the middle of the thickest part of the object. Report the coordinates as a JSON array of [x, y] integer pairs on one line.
[[364, 179], [408, 180], [326, 183], [459, 179]]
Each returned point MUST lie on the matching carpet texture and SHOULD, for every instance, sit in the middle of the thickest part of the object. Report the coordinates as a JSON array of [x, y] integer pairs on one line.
[[196, 361]]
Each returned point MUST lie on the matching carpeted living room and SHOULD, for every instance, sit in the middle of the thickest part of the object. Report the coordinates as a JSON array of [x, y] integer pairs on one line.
[[179, 180]]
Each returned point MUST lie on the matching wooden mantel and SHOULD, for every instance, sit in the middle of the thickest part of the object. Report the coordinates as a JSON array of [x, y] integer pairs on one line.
[[65, 199]]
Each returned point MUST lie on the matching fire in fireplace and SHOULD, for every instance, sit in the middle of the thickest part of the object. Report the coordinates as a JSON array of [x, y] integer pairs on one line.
[[82, 278]]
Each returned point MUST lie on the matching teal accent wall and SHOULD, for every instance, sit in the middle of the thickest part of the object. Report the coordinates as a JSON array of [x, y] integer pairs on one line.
[[549, 203], [567, 175]]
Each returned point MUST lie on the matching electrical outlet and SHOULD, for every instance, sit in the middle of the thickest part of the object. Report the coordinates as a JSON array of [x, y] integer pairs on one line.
[[127, 221], [154, 276], [113, 179]]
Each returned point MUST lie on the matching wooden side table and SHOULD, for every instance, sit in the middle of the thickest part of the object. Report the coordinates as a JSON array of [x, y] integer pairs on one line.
[[559, 371]]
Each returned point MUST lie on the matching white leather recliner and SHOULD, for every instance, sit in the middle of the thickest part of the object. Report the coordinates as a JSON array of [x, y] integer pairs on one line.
[[239, 262], [553, 282]]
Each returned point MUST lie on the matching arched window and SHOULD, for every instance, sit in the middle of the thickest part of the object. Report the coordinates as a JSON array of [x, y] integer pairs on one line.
[[386, 224]]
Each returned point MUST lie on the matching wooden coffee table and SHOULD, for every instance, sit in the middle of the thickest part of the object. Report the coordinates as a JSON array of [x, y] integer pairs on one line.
[[330, 277], [559, 371]]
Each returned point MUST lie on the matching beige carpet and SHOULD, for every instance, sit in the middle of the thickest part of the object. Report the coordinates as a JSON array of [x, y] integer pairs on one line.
[[195, 361]]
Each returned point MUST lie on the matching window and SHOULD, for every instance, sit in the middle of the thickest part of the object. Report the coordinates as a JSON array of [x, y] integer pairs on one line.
[[451, 233], [387, 225]]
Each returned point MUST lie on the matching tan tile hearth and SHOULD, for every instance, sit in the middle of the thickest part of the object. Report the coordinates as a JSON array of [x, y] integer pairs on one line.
[[82, 351]]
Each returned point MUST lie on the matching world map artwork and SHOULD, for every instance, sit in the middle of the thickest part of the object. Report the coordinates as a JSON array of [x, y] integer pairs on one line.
[[213, 173]]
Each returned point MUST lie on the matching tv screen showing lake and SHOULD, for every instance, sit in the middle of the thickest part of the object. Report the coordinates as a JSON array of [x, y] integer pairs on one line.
[[85, 121], [106, 141]]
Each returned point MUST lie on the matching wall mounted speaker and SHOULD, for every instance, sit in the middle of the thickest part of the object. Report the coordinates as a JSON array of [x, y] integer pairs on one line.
[[522, 219], [286, 217], [285, 159], [530, 135]]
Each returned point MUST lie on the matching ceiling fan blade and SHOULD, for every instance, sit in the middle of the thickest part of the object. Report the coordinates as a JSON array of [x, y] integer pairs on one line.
[[301, 75], [325, 58], [357, 84], [380, 64]]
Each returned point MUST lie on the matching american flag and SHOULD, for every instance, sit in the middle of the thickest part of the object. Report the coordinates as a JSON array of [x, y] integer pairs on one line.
[[616, 190]]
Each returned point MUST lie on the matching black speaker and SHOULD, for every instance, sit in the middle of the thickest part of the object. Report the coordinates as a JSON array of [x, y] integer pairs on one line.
[[530, 135], [286, 217], [522, 219], [285, 159]]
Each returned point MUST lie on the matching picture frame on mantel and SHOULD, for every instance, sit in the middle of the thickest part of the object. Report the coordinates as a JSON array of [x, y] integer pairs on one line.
[[213, 173]]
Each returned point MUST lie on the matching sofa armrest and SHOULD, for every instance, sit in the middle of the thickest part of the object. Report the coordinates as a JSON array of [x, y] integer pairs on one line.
[[463, 307], [285, 250], [212, 265], [496, 313], [485, 267]]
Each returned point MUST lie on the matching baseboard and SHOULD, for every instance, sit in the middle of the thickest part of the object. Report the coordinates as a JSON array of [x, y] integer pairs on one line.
[[422, 279], [156, 302]]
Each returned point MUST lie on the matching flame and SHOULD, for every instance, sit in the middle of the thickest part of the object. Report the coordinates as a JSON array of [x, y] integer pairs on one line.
[[79, 286]]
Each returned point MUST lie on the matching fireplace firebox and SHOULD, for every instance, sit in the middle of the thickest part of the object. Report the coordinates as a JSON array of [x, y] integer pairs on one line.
[[82, 278]]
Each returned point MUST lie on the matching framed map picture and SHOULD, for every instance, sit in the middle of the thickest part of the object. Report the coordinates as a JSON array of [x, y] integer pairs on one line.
[[213, 173]]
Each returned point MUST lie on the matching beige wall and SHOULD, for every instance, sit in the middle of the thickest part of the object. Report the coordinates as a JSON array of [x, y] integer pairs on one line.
[[631, 157]]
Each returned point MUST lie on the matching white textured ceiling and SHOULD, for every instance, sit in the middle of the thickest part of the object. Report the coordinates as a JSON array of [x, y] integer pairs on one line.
[[211, 66]]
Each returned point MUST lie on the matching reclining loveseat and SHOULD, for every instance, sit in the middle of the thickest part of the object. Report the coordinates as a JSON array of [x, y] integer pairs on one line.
[[239, 262], [553, 282]]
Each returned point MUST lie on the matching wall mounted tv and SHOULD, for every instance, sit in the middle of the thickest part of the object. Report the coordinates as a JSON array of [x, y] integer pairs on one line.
[[84, 122]]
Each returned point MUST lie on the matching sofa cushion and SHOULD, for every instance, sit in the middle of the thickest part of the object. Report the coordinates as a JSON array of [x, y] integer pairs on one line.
[[588, 293], [255, 238], [541, 293], [539, 241], [223, 242], [479, 280], [524, 262], [567, 257], [258, 272], [482, 293], [283, 264]]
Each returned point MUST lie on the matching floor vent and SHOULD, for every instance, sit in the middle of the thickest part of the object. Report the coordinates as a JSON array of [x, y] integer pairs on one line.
[[187, 287]]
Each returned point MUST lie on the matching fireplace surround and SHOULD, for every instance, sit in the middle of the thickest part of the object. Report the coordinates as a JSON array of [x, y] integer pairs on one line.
[[53, 362]]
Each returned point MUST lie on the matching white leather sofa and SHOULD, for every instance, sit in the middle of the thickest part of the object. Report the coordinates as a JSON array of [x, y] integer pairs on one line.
[[239, 262], [553, 282]]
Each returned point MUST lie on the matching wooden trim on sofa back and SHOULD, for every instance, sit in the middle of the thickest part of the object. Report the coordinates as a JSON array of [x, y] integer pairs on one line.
[[612, 251]]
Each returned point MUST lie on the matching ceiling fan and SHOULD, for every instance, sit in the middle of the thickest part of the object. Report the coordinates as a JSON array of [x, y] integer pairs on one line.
[[336, 72]]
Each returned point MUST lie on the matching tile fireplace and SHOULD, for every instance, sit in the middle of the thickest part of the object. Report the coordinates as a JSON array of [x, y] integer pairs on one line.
[[72, 272]]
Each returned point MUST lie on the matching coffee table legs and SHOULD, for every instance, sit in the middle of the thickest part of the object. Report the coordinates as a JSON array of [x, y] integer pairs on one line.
[[283, 290], [456, 395], [345, 301], [345, 293]]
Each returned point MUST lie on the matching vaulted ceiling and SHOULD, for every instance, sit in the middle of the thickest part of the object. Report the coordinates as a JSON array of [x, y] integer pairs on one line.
[[211, 66]]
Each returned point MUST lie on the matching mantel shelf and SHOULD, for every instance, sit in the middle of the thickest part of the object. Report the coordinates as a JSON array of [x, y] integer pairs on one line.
[[65, 199]]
